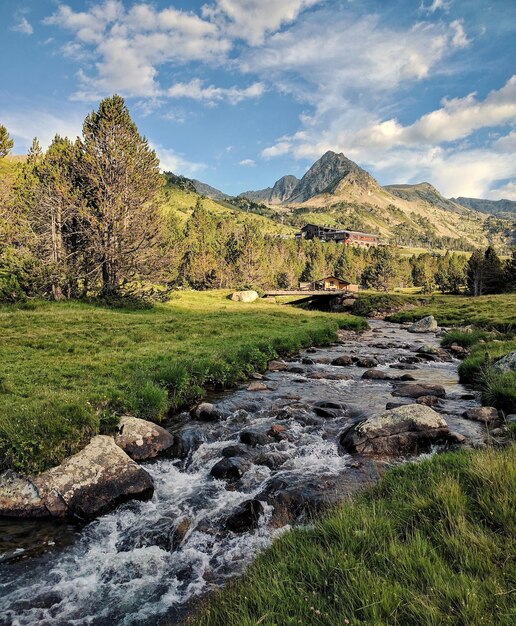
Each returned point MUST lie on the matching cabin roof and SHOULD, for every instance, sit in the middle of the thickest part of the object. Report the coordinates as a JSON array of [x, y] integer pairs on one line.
[[341, 280]]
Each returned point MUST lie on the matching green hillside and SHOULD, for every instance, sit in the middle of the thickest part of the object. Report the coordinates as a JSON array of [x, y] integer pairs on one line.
[[182, 202]]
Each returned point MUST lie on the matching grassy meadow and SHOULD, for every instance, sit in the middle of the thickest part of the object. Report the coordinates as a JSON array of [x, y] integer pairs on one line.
[[433, 544], [494, 311], [67, 370]]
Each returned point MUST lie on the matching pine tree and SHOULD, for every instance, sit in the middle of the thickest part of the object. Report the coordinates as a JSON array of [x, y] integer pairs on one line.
[[121, 183], [381, 272], [493, 272], [475, 273], [6, 143], [510, 272]]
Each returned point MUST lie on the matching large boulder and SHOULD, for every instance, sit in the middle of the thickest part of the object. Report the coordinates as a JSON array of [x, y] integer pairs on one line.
[[86, 485], [244, 296], [141, 439], [408, 390], [425, 325], [343, 361], [403, 430], [186, 441], [230, 468], [506, 363]]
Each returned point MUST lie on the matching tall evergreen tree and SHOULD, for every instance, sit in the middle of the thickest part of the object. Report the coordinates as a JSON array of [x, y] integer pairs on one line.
[[475, 273], [121, 182], [493, 271], [6, 143]]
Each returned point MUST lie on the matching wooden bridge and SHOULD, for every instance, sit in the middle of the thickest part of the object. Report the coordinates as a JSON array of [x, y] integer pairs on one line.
[[306, 292]]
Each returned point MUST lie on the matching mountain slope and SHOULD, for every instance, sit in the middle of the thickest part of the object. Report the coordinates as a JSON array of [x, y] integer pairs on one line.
[[493, 207], [207, 190], [335, 191], [280, 192]]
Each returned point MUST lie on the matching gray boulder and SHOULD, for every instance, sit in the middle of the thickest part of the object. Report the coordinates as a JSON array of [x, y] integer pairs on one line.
[[244, 296], [402, 430], [141, 439], [343, 361], [506, 363], [230, 468], [425, 325], [19, 497]]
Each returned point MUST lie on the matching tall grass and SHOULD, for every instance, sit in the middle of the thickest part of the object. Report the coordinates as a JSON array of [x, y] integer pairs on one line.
[[433, 544]]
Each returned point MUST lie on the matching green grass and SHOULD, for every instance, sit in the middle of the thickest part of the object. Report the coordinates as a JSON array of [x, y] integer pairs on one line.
[[496, 311], [463, 338], [433, 544], [67, 370]]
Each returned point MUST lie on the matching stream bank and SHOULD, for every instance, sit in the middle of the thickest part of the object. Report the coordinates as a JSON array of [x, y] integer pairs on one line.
[[150, 562]]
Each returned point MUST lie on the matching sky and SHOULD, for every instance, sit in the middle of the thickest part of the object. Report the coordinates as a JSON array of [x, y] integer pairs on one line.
[[238, 93]]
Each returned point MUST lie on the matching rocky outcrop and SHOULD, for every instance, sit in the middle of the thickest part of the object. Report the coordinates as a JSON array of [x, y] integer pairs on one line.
[[86, 485], [141, 439], [409, 390], [506, 363], [403, 430], [244, 296], [425, 325]]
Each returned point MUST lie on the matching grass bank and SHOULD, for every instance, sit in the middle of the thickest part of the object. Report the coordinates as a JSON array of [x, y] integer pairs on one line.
[[433, 544], [495, 311], [67, 370]]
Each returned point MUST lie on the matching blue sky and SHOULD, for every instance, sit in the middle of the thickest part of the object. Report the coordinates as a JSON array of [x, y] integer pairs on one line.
[[240, 92]]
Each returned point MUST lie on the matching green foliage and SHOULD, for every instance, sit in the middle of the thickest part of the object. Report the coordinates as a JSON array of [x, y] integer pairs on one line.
[[369, 304], [68, 369], [463, 338], [433, 543], [381, 270], [6, 143], [498, 389]]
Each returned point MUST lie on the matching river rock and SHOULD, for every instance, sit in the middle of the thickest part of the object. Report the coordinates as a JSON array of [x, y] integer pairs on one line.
[[254, 438], [328, 376], [428, 348], [277, 366], [244, 296], [186, 441], [141, 439], [272, 460], [230, 468], [376, 375], [428, 400], [408, 390], [366, 361], [425, 325], [328, 409], [93, 481], [407, 377], [257, 386], [178, 533], [245, 517], [404, 430], [206, 412], [394, 405], [506, 363], [459, 351], [343, 361], [487, 414], [19, 497]]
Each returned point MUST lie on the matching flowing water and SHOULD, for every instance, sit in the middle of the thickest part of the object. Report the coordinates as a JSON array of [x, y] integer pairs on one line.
[[150, 562]]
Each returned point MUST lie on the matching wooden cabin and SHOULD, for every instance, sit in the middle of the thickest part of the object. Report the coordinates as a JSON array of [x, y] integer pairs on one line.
[[342, 236], [328, 283]]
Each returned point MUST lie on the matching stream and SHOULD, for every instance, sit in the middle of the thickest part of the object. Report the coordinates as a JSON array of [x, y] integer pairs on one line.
[[151, 562]]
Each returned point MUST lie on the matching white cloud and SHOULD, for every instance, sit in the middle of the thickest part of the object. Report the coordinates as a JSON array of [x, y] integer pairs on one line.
[[24, 125], [211, 94], [251, 20], [23, 26], [247, 163], [128, 46], [459, 39], [436, 5], [171, 161], [506, 192]]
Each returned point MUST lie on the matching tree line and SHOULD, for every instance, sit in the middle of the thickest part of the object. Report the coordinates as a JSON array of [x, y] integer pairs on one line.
[[86, 219]]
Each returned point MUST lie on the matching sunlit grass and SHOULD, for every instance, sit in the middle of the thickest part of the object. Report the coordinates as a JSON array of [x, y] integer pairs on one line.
[[68, 369], [434, 544]]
